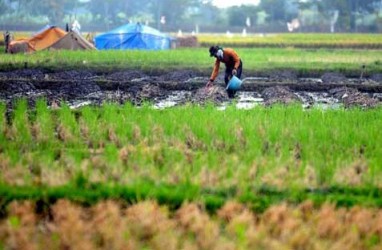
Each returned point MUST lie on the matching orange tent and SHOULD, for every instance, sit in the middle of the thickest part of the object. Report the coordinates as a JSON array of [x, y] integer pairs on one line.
[[40, 41]]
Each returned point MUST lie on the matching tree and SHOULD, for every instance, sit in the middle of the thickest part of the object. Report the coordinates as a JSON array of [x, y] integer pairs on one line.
[[3, 7], [172, 10], [237, 16], [55, 10], [349, 11], [275, 9], [115, 12]]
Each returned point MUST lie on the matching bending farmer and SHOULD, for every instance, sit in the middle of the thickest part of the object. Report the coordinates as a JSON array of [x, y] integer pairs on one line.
[[232, 63]]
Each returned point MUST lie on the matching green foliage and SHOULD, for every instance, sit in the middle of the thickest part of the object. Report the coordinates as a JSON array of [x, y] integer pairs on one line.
[[237, 15], [175, 196], [183, 14], [21, 125], [3, 7], [256, 60], [2, 122], [275, 9], [260, 156], [296, 40]]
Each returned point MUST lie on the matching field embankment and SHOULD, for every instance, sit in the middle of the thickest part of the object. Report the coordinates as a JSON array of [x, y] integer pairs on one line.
[[257, 61]]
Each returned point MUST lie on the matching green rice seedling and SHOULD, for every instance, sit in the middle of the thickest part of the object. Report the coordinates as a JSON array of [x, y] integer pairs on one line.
[[131, 130], [44, 123], [89, 126], [294, 40], [46, 144], [3, 124], [21, 125], [257, 60], [111, 154], [112, 119], [122, 123], [230, 152], [68, 130], [17, 136]]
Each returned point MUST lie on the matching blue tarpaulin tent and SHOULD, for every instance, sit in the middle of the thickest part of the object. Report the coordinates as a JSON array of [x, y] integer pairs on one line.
[[133, 36]]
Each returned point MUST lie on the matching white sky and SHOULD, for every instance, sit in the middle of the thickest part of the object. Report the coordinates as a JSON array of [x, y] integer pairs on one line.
[[229, 3]]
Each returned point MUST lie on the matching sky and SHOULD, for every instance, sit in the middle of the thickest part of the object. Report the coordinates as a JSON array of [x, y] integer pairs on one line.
[[229, 3]]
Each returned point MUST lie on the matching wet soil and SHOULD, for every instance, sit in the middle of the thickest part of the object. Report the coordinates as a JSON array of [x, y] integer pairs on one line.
[[85, 87]]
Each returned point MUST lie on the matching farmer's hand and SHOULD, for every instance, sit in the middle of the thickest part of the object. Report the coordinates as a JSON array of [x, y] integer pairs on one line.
[[234, 72], [209, 84]]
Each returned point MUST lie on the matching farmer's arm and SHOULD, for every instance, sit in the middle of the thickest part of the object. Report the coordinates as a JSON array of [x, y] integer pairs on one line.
[[215, 71]]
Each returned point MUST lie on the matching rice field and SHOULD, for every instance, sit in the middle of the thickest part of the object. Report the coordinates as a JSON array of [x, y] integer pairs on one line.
[[193, 176], [296, 40], [308, 54], [146, 225], [192, 152], [256, 61], [189, 177]]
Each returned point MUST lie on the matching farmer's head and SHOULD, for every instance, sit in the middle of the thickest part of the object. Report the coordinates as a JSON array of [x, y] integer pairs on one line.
[[216, 51]]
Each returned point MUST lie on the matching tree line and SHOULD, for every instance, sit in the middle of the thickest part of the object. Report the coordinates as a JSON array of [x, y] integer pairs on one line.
[[198, 15]]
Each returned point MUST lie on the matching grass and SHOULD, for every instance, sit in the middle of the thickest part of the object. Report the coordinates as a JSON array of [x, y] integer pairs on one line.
[[256, 60], [219, 155], [296, 40], [279, 40]]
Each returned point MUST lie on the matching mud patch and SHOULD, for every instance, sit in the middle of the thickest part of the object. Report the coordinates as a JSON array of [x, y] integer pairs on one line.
[[282, 76], [334, 78], [65, 91], [126, 75], [186, 86], [8, 89], [71, 75], [214, 94], [352, 97], [376, 77], [279, 94], [323, 100], [34, 74], [178, 76]]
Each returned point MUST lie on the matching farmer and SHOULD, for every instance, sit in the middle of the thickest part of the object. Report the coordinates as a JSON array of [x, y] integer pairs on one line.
[[232, 63], [7, 40]]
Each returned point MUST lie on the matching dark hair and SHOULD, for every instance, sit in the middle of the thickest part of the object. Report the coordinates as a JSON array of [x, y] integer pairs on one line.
[[214, 49]]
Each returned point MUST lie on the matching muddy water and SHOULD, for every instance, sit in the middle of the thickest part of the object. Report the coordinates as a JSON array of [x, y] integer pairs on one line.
[[243, 100], [82, 88]]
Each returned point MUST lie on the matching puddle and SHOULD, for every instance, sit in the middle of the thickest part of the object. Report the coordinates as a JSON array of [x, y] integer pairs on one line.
[[173, 99], [244, 99], [315, 80], [79, 104], [377, 96], [249, 100], [196, 79]]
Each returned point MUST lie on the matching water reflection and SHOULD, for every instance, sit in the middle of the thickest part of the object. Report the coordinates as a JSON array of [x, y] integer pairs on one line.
[[243, 100]]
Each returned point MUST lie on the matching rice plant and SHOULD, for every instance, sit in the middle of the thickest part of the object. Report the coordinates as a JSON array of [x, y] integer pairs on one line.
[[223, 154], [256, 60]]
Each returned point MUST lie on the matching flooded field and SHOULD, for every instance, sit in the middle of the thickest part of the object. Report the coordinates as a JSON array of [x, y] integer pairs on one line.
[[81, 88]]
